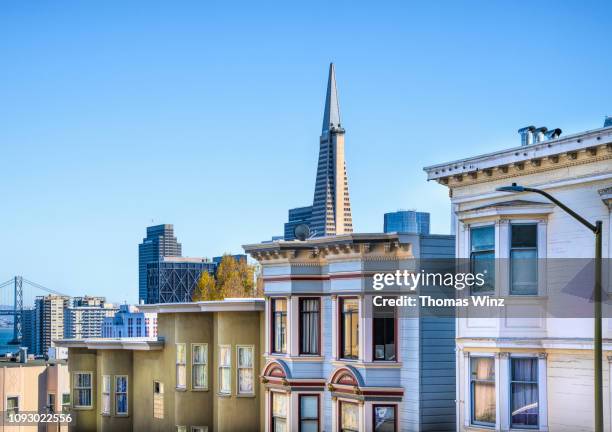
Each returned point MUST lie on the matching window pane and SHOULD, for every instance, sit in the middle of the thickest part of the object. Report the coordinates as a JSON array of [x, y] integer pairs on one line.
[[199, 354], [225, 354], [483, 390], [225, 380], [524, 235], [384, 419], [482, 238], [199, 376], [484, 263], [524, 392], [106, 384], [245, 357], [121, 403], [384, 333], [309, 407], [180, 353], [121, 385], [309, 326], [245, 381], [309, 426], [279, 404], [349, 416], [524, 271]]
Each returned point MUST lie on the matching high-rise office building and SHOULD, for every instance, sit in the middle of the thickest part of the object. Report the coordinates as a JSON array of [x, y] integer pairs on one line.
[[159, 243], [28, 329], [331, 205], [407, 221], [49, 320], [297, 216], [129, 321], [173, 279]]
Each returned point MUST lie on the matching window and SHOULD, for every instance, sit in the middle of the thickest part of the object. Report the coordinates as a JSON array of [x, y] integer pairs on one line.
[[199, 428], [225, 369], [82, 389], [349, 417], [482, 257], [309, 413], [51, 403], [199, 371], [310, 325], [482, 373], [524, 392], [158, 400], [279, 325], [106, 394], [245, 369], [384, 418], [181, 368], [524, 259], [349, 328], [279, 411], [121, 395], [12, 405], [181, 428], [65, 402], [384, 333]]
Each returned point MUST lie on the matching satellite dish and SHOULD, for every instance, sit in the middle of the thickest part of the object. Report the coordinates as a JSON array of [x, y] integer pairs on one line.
[[301, 232]]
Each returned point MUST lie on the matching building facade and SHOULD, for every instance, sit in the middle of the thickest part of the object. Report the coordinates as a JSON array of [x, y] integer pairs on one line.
[[86, 321], [198, 375], [173, 279], [129, 321], [406, 221], [533, 371], [333, 361], [49, 320], [35, 386], [160, 242], [330, 213]]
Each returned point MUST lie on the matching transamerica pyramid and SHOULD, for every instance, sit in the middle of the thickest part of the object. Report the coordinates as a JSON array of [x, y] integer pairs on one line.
[[330, 213]]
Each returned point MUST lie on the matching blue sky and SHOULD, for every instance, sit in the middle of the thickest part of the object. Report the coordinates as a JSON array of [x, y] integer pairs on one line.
[[207, 115]]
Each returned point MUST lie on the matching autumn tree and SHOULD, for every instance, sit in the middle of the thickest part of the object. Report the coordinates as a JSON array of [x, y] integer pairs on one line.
[[206, 289]]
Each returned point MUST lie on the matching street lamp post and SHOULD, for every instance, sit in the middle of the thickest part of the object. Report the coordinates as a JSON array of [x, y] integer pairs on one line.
[[597, 296]]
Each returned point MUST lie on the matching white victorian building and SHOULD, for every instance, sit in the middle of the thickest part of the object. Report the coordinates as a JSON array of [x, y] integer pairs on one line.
[[535, 371]]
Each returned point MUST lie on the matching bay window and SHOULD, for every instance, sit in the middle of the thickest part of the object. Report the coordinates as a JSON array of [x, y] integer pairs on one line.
[[245, 370], [199, 362], [106, 394], [225, 369], [384, 333], [482, 389], [309, 413], [349, 417], [278, 403], [181, 366], [482, 257], [279, 325], [121, 395], [384, 418], [82, 389], [524, 404], [310, 316], [349, 328], [524, 259]]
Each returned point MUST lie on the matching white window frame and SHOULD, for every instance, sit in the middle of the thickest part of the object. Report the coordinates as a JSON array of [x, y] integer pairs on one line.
[[239, 368], [117, 393], [204, 364], [221, 367], [106, 393], [11, 396], [91, 389], [180, 365], [468, 389]]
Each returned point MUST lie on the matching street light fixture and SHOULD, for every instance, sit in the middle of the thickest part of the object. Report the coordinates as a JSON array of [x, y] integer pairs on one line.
[[597, 315]]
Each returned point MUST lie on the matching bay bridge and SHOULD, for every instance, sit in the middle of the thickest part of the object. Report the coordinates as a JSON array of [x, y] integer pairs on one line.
[[12, 294]]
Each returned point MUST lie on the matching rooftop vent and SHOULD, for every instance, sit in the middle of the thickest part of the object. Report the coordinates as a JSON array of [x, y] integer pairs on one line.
[[608, 121], [531, 134]]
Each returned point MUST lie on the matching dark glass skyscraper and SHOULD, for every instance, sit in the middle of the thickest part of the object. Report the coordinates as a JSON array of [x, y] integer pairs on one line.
[[159, 243], [407, 221]]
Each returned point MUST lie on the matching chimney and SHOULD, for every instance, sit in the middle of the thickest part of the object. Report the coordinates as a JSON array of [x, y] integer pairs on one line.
[[608, 121], [553, 133], [540, 134], [526, 135]]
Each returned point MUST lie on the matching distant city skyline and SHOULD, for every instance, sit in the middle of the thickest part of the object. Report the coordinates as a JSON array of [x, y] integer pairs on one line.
[[202, 115]]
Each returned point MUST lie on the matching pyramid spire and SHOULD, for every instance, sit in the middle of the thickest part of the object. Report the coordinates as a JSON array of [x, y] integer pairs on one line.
[[331, 117]]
